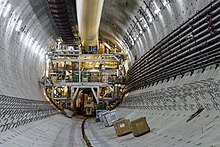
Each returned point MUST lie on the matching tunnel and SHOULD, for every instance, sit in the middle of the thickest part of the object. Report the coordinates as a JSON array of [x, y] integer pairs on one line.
[[61, 60]]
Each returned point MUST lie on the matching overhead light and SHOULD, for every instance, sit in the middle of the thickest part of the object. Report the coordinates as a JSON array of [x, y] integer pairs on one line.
[[22, 36], [27, 37], [38, 47], [7, 10], [141, 32], [18, 25], [135, 38], [35, 46], [157, 9], [28, 34], [132, 41], [30, 41], [150, 19], [165, 3], [150, 16]]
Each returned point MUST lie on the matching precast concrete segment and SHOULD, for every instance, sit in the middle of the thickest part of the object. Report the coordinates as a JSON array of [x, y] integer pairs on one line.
[[22, 49], [189, 93], [123, 13], [15, 112], [54, 131], [171, 108]]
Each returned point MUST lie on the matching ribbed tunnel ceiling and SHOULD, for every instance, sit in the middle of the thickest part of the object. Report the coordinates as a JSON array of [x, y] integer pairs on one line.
[[119, 17]]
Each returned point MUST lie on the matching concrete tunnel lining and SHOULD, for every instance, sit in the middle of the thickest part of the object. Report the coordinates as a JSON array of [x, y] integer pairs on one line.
[[23, 66]]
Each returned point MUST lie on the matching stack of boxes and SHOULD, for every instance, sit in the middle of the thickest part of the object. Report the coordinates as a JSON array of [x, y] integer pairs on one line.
[[123, 126]]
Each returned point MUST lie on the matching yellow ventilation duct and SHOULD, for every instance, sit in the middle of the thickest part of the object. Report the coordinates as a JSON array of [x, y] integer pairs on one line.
[[89, 16]]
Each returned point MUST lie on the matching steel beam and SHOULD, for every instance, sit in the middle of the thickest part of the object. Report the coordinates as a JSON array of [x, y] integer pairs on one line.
[[75, 94], [80, 84], [59, 98], [95, 95], [83, 60]]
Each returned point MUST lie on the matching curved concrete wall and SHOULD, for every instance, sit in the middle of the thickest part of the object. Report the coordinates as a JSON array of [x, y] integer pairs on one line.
[[22, 52], [171, 109], [169, 18], [118, 16], [187, 93], [16, 46], [167, 105]]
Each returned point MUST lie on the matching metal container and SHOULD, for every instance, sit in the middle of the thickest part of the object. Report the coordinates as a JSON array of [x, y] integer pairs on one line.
[[122, 127], [139, 127], [69, 113], [109, 118], [101, 115], [98, 112]]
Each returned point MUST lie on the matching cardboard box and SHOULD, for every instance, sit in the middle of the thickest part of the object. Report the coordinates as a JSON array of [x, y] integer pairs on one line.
[[122, 127], [139, 127]]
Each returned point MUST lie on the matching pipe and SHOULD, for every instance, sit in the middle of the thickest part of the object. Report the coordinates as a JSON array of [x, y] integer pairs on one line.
[[89, 16], [180, 54]]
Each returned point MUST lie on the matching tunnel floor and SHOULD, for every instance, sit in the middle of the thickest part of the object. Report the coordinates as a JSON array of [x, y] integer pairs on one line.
[[54, 131], [168, 128]]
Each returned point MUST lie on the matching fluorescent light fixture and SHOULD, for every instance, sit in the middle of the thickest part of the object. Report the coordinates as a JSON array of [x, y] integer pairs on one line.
[[17, 29], [35, 43], [150, 19], [38, 47], [34, 47], [22, 36], [141, 32], [28, 34], [132, 41], [30, 41], [150, 16], [157, 9], [164, 3], [26, 38], [7, 10]]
